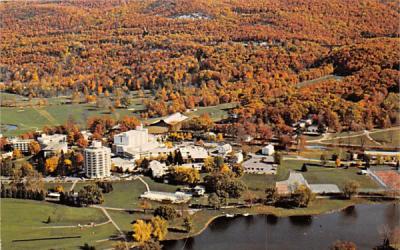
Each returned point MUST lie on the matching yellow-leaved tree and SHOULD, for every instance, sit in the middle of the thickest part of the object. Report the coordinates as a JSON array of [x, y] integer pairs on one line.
[[51, 164], [142, 231], [160, 227], [185, 175], [34, 147]]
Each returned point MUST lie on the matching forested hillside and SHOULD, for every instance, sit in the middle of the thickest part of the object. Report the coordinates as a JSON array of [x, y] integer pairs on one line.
[[202, 53]]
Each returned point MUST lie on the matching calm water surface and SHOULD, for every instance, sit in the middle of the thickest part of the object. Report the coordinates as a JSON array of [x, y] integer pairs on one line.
[[360, 224]]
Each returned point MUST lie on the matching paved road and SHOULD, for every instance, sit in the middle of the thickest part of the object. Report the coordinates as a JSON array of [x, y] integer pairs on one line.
[[145, 183], [73, 185]]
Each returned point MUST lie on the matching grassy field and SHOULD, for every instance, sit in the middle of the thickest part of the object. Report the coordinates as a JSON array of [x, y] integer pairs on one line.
[[216, 113], [36, 118], [319, 80], [357, 140], [125, 194], [258, 182], [29, 118], [389, 138], [326, 175], [23, 219], [381, 138]]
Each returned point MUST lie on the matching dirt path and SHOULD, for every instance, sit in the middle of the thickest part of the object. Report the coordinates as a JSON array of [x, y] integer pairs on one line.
[[367, 134], [145, 183], [114, 224], [80, 226]]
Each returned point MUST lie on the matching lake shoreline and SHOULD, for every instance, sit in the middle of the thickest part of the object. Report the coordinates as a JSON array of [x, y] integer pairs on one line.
[[344, 206]]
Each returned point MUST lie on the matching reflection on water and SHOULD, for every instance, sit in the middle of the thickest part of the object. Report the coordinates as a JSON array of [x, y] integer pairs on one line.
[[392, 215], [272, 219], [221, 224], [350, 212], [189, 243], [359, 224], [249, 221], [302, 221]]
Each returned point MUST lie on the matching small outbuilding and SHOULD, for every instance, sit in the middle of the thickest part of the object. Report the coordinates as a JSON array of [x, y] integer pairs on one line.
[[268, 150]]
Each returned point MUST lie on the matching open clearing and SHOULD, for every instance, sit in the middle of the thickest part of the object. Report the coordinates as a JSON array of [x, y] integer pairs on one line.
[[326, 175], [389, 137], [23, 219], [28, 118], [319, 80]]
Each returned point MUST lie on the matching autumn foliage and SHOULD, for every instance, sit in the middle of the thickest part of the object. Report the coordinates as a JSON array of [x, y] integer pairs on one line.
[[204, 53]]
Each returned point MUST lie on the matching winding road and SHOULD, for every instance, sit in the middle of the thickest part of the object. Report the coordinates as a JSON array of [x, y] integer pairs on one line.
[[330, 137]]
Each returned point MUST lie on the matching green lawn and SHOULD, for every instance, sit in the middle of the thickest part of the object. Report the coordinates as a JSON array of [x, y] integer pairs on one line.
[[387, 138], [33, 118], [157, 186], [316, 153], [125, 219], [216, 113], [125, 194], [23, 219], [29, 118], [326, 175], [258, 182], [357, 140]]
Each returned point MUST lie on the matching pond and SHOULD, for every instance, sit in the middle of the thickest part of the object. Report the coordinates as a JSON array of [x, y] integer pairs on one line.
[[319, 147], [9, 127], [360, 224]]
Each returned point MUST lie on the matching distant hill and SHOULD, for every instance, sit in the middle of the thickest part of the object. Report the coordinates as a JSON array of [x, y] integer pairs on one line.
[[202, 53]]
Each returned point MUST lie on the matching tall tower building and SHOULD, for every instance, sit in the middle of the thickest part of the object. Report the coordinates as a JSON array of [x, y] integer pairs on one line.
[[97, 160]]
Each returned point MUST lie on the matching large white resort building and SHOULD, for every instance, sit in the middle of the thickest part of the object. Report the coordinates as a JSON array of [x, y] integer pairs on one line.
[[138, 144], [97, 160]]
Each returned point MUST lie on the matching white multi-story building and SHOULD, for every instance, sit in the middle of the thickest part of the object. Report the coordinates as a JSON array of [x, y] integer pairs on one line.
[[97, 160], [138, 144], [131, 139], [21, 144]]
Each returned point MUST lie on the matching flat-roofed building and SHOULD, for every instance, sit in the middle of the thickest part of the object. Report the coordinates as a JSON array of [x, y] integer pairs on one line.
[[193, 153], [123, 164], [97, 160], [45, 140], [52, 144], [21, 144], [138, 144]]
